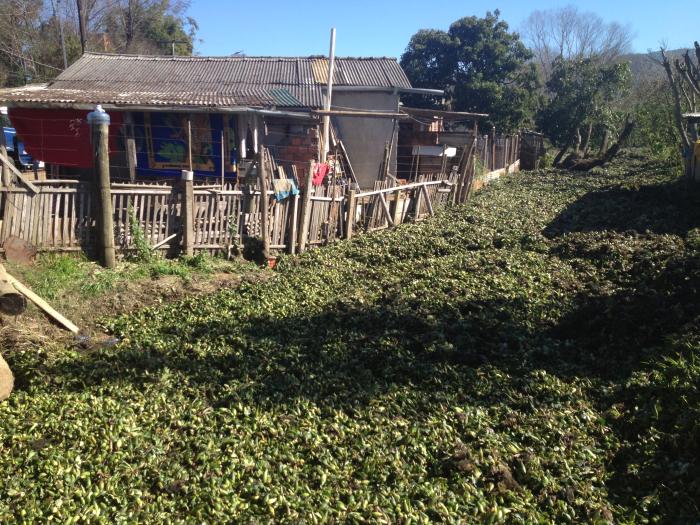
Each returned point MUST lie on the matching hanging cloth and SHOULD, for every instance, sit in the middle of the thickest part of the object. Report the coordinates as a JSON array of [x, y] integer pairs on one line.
[[320, 173], [283, 188]]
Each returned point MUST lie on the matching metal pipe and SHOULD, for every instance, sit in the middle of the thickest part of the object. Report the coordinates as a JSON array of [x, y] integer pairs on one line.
[[418, 91]]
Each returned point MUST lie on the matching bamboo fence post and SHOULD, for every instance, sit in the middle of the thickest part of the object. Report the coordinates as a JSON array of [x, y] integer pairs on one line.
[[351, 210], [262, 178], [306, 207], [99, 122], [293, 225], [493, 149], [187, 211], [223, 161], [508, 149], [189, 143]]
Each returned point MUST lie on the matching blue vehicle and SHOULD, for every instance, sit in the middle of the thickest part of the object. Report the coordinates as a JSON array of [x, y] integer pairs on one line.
[[16, 151]]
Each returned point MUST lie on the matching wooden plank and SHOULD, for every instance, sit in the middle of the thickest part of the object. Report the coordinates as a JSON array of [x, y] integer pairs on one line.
[[131, 160], [18, 217], [65, 219], [56, 201], [418, 213], [262, 181], [306, 208], [164, 241], [73, 218], [20, 176], [429, 204], [385, 207]]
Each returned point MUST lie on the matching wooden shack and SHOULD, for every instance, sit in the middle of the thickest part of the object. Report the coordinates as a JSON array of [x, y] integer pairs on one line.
[[226, 106]]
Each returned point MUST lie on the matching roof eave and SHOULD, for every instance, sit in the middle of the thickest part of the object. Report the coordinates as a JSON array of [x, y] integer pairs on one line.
[[303, 114]]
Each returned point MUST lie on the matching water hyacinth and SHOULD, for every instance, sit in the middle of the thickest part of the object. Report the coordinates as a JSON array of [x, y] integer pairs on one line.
[[529, 357]]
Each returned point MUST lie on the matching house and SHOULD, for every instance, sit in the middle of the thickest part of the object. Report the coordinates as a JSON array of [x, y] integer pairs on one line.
[[170, 112]]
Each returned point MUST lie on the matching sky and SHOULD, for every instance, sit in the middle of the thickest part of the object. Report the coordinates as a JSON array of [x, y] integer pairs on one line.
[[384, 27]]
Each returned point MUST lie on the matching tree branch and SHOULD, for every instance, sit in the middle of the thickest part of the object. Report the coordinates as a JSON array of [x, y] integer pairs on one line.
[[676, 99]]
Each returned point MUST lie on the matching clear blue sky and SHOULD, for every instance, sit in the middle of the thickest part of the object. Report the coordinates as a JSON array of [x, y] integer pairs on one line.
[[383, 27]]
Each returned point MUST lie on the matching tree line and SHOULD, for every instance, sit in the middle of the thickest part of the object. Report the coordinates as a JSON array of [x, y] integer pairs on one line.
[[566, 74]]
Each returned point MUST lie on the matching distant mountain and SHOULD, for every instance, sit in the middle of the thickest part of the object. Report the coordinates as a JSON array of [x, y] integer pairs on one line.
[[647, 66]]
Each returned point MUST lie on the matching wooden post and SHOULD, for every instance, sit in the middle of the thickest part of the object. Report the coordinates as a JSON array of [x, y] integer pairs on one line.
[[223, 161], [418, 197], [6, 177], [506, 143], [99, 123], [9, 197], [306, 207], [493, 149], [187, 212], [130, 145], [189, 143], [262, 178], [295, 222], [429, 204], [351, 211]]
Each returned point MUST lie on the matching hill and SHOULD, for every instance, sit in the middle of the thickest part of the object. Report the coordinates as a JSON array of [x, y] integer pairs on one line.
[[647, 66]]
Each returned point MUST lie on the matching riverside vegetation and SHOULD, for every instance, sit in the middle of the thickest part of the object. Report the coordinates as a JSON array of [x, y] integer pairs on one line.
[[529, 357]]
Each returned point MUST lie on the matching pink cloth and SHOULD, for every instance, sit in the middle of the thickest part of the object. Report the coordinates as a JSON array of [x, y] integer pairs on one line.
[[320, 173]]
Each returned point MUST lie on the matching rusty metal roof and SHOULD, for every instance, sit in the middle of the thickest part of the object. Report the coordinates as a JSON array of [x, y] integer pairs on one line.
[[285, 82]]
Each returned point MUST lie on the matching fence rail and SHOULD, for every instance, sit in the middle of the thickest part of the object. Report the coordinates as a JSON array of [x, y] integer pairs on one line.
[[61, 215]]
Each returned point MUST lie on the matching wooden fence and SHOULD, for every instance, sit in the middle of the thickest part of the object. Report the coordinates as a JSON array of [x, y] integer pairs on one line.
[[60, 215]]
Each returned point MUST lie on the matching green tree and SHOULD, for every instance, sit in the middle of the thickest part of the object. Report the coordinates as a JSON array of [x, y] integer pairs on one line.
[[481, 66], [149, 26], [31, 45], [581, 98], [655, 130]]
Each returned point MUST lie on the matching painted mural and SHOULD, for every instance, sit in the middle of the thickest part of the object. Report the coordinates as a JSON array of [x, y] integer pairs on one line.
[[161, 143]]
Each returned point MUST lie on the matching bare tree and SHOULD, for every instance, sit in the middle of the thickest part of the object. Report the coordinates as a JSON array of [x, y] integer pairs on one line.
[[683, 77], [571, 34]]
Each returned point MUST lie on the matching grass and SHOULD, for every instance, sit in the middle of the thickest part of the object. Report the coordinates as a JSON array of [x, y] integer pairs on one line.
[[55, 275], [531, 357]]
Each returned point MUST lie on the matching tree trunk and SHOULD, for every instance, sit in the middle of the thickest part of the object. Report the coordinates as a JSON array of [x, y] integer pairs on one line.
[[577, 150], [677, 108], [604, 144], [587, 164], [587, 142], [81, 24], [562, 152]]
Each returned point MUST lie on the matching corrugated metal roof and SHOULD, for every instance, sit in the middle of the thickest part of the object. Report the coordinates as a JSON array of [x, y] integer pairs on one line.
[[207, 81]]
